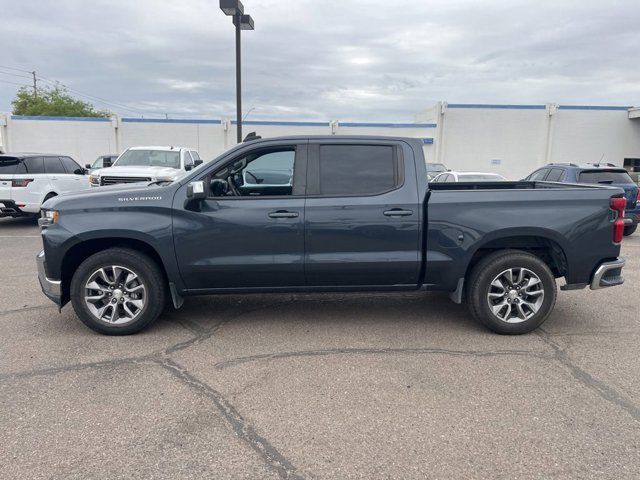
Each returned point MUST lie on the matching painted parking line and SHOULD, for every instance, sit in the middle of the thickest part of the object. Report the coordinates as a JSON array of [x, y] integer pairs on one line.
[[19, 236]]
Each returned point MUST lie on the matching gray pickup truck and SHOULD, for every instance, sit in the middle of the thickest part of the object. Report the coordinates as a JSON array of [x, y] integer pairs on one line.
[[317, 214]]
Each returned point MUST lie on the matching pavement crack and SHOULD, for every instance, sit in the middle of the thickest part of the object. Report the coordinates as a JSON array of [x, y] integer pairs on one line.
[[76, 367], [239, 424], [585, 378], [372, 351], [27, 309]]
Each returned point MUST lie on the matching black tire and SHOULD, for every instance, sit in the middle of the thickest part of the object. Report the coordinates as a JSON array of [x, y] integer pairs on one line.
[[630, 230], [478, 287], [143, 266]]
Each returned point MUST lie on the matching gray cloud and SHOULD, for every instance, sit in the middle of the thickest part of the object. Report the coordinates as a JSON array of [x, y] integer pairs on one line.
[[310, 59]]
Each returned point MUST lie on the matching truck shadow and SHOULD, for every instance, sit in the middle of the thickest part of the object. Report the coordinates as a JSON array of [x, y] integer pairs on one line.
[[428, 310]]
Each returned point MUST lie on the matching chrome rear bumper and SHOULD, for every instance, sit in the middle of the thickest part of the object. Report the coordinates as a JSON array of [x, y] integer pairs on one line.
[[608, 274]]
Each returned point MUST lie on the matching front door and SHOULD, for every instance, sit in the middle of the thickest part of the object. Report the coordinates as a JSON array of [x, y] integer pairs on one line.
[[362, 215], [249, 232]]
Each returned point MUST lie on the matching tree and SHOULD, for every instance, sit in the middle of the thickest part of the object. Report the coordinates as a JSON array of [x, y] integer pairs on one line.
[[53, 101]]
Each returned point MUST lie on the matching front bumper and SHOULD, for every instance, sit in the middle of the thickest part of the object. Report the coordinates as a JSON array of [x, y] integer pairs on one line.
[[608, 274], [51, 288]]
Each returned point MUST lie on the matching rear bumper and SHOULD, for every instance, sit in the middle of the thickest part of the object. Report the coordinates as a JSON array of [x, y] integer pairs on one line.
[[51, 288], [9, 208], [608, 274]]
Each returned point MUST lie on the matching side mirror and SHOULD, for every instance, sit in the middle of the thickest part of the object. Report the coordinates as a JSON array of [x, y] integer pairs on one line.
[[195, 191], [80, 171], [87, 166], [198, 162], [188, 166]]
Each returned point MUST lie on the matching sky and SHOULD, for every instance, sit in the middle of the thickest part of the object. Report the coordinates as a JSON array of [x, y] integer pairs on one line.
[[364, 60]]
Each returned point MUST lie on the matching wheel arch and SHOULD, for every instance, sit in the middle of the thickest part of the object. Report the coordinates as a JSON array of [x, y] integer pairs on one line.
[[546, 245], [80, 251]]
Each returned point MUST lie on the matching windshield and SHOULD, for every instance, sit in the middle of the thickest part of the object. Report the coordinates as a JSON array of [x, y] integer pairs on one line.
[[149, 158], [480, 177], [605, 176]]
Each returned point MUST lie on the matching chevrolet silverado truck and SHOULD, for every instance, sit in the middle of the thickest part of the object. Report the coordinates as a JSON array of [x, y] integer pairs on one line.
[[317, 214]]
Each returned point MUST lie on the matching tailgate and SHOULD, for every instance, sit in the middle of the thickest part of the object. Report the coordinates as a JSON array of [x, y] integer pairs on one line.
[[7, 168]]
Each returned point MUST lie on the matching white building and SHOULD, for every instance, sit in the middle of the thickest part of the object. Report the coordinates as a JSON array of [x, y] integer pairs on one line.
[[508, 139], [515, 139]]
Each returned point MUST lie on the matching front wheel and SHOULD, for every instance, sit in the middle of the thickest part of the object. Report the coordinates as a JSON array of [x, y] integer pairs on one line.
[[630, 230], [118, 291], [511, 292]]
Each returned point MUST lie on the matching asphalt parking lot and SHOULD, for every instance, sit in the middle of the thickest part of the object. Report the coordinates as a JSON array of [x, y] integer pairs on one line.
[[317, 386]]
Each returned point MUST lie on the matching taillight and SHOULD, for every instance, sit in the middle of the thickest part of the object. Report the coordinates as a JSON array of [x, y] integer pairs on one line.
[[617, 204], [21, 182]]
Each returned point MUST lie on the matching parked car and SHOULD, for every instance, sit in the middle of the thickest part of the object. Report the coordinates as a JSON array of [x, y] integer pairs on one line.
[[434, 169], [103, 161], [147, 164], [357, 215], [29, 179], [468, 177], [597, 174]]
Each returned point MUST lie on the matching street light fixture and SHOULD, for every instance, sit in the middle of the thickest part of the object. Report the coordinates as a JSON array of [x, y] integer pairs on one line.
[[235, 9]]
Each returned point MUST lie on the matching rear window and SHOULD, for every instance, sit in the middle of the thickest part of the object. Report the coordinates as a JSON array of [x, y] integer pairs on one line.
[[357, 169], [604, 176], [8, 165]]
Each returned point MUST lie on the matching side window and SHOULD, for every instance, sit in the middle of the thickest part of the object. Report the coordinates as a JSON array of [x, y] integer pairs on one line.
[[538, 175], [555, 175], [34, 164], [69, 165], [357, 170], [53, 165], [187, 158], [195, 155], [449, 178], [261, 173]]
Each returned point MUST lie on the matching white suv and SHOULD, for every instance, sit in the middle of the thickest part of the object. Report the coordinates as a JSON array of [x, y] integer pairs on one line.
[[28, 179], [147, 164]]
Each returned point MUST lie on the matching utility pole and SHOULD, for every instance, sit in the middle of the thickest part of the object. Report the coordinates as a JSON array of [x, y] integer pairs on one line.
[[35, 85]]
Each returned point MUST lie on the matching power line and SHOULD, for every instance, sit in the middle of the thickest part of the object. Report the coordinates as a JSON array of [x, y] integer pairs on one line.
[[14, 74], [92, 97], [15, 83], [14, 68]]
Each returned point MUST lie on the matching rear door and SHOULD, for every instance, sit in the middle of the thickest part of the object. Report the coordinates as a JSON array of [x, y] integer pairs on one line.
[[362, 215], [55, 173], [74, 177]]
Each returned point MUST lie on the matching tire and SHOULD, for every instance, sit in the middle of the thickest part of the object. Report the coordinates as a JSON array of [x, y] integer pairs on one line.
[[135, 308], [630, 230], [520, 305]]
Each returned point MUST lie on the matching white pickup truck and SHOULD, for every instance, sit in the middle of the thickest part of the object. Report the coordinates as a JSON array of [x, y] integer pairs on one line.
[[147, 164]]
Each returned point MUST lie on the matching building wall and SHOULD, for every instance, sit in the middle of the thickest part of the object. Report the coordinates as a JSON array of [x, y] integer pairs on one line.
[[513, 140], [87, 138]]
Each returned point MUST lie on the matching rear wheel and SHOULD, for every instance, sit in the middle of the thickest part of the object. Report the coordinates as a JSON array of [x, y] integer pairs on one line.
[[511, 292], [118, 291], [630, 230]]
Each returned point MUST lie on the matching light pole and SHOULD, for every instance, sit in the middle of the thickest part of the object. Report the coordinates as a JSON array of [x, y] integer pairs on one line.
[[234, 8]]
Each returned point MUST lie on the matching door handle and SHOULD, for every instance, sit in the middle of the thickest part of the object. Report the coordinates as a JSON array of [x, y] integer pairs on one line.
[[283, 214], [397, 212]]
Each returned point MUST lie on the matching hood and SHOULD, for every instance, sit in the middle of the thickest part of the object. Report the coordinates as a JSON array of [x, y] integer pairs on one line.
[[135, 171], [79, 198]]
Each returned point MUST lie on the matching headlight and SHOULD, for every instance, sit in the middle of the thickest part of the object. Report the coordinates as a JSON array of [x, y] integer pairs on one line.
[[94, 179], [49, 217]]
